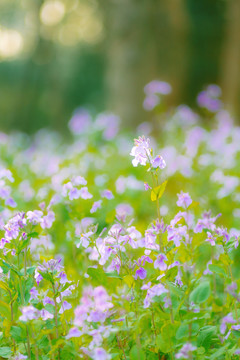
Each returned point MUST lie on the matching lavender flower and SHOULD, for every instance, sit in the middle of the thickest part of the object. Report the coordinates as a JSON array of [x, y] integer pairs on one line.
[[186, 351], [184, 200], [158, 162], [141, 273], [73, 332], [160, 262], [96, 205], [226, 320], [141, 151], [107, 194], [29, 313]]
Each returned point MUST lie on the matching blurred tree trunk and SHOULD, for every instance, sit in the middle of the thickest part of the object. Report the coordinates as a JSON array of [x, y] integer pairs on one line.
[[178, 47], [145, 40], [131, 57], [231, 57], [205, 44]]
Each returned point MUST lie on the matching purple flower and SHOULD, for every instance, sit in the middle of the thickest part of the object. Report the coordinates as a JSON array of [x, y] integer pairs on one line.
[[184, 200], [79, 180], [74, 332], [80, 122], [45, 315], [85, 239], [29, 313], [34, 293], [74, 193], [160, 262], [96, 205], [63, 277], [176, 234], [109, 124], [38, 277], [3, 242], [141, 273], [158, 162], [236, 327], [14, 225], [107, 194], [155, 290], [100, 354], [123, 210], [34, 217], [167, 302], [146, 186], [150, 102], [47, 300], [5, 173], [186, 351], [50, 265], [223, 232], [48, 220], [141, 151], [210, 238], [65, 306], [226, 320], [85, 194], [10, 202], [206, 222], [158, 87], [208, 98], [20, 357]]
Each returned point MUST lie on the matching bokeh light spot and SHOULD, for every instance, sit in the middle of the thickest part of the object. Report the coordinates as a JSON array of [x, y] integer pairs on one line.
[[52, 12]]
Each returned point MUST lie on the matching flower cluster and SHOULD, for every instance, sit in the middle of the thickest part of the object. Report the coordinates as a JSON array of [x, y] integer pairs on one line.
[[93, 267]]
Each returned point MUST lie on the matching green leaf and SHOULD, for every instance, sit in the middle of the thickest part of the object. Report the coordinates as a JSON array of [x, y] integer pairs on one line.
[[97, 274], [22, 245], [114, 275], [43, 342], [217, 269], [205, 336], [32, 234], [31, 270], [236, 333], [163, 345], [47, 276], [137, 353], [158, 191], [182, 331], [201, 293], [172, 273], [8, 267], [5, 309], [4, 286], [129, 280], [5, 352], [17, 333], [219, 352]]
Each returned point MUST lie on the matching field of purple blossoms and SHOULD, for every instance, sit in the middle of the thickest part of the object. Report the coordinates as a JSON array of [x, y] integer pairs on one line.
[[114, 248]]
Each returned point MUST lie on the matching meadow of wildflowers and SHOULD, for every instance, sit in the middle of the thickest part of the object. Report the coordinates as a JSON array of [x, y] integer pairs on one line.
[[120, 249]]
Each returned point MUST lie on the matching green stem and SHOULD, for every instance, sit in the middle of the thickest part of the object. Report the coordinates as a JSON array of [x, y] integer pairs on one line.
[[28, 343], [235, 305], [36, 348], [64, 313], [121, 347], [158, 212], [25, 262], [155, 332], [56, 317], [231, 274]]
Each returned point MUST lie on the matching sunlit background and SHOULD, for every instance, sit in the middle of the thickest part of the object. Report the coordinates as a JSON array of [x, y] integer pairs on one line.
[[57, 55]]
